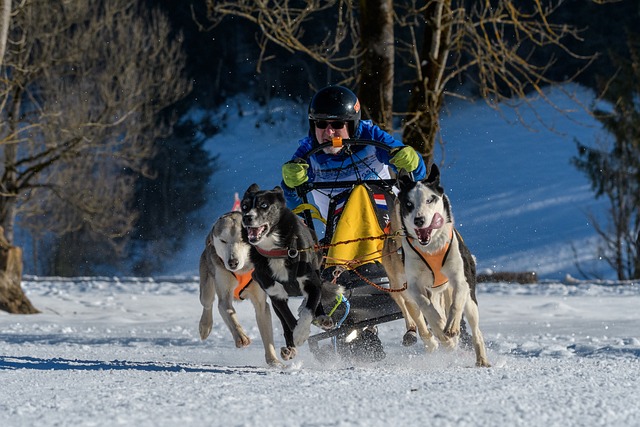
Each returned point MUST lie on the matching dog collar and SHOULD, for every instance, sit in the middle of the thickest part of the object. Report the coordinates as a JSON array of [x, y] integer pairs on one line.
[[278, 253]]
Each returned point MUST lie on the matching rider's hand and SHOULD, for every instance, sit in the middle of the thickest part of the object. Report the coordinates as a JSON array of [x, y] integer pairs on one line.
[[294, 173], [405, 158]]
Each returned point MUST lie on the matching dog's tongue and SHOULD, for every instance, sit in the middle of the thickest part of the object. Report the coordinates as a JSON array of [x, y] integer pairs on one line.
[[424, 234], [436, 222], [254, 233]]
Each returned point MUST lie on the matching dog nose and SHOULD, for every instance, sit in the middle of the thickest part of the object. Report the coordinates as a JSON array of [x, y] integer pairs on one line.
[[419, 221], [233, 263]]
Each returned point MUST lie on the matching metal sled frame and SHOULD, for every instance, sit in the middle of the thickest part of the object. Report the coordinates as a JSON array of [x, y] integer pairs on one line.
[[363, 297]]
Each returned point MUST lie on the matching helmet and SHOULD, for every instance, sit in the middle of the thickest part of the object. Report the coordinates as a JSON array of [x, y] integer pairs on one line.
[[335, 103]]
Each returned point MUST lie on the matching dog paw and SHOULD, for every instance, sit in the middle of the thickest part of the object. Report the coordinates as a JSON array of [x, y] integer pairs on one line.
[[206, 324], [242, 341], [483, 363], [450, 342], [410, 338], [431, 344], [288, 353], [324, 322], [452, 330], [275, 363]]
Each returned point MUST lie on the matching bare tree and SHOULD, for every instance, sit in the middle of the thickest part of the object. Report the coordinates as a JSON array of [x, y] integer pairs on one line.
[[447, 41], [377, 69], [612, 164], [80, 89]]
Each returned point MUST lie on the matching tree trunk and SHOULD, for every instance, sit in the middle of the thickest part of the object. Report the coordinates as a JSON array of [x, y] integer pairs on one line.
[[5, 18], [423, 112], [12, 297], [376, 74]]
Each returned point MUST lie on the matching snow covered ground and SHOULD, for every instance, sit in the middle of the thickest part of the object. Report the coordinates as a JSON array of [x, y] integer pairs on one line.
[[126, 351]]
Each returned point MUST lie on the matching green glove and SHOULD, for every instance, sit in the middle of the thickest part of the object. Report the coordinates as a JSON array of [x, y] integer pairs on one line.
[[405, 158], [294, 174]]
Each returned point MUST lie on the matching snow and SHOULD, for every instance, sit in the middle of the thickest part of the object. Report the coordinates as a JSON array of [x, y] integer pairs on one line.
[[126, 351]]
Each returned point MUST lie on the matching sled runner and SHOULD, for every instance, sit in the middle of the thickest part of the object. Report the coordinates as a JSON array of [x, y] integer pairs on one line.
[[356, 226]]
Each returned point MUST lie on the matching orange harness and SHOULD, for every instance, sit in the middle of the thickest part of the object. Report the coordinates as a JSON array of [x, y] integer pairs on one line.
[[243, 282], [435, 261]]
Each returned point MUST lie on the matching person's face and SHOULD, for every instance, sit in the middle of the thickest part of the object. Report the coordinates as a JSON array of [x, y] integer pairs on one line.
[[326, 130]]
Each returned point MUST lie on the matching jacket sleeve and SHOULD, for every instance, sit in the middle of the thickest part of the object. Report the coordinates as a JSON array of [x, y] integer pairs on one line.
[[290, 194], [374, 132]]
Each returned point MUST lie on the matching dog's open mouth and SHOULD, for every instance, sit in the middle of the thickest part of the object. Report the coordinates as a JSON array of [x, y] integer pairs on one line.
[[255, 233], [424, 234]]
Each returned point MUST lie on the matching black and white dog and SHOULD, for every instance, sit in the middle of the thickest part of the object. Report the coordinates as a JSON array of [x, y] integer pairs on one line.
[[287, 262], [440, 270]]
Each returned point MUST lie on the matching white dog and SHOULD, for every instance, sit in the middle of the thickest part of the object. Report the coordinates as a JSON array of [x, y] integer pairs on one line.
[[438, 262], [225, 270]]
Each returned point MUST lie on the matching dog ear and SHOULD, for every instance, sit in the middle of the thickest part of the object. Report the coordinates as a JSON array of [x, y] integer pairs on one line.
[[279, 192], [433, 180], [252, 189], [403, 179]]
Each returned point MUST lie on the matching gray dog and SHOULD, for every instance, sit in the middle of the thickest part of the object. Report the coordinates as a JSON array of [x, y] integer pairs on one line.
[[225, 270]]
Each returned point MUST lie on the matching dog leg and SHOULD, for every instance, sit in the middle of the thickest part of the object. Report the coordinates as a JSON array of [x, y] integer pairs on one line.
[[391, 260], [395, 273], [430, 343], [207, 295], [460, 295], [432, 310], [410, 337], [312, 288], [473, 317], [228, 314], [288, 321], [279, 300], [263, 318]]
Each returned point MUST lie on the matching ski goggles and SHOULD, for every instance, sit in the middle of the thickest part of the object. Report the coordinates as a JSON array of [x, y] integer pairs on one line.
[[323, 124]]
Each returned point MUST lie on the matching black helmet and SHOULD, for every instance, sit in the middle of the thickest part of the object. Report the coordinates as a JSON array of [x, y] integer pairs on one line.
[[335, 103]]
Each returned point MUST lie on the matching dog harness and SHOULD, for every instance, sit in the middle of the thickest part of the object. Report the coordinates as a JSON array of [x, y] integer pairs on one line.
[[435, 261], [243, 282]]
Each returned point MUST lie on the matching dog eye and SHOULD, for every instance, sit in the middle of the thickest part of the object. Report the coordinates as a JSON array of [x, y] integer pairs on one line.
[[432, 199], [264, 205], [224, 242], [409, 204]]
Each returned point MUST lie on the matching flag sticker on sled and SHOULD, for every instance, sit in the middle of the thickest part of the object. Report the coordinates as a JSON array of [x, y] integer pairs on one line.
[[381, 202]]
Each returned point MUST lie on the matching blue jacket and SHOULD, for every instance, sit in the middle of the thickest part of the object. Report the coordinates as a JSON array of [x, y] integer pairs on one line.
[[370, 161]]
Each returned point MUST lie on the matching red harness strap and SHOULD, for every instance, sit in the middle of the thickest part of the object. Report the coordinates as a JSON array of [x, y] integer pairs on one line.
[[243, 282], [435, 261]]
